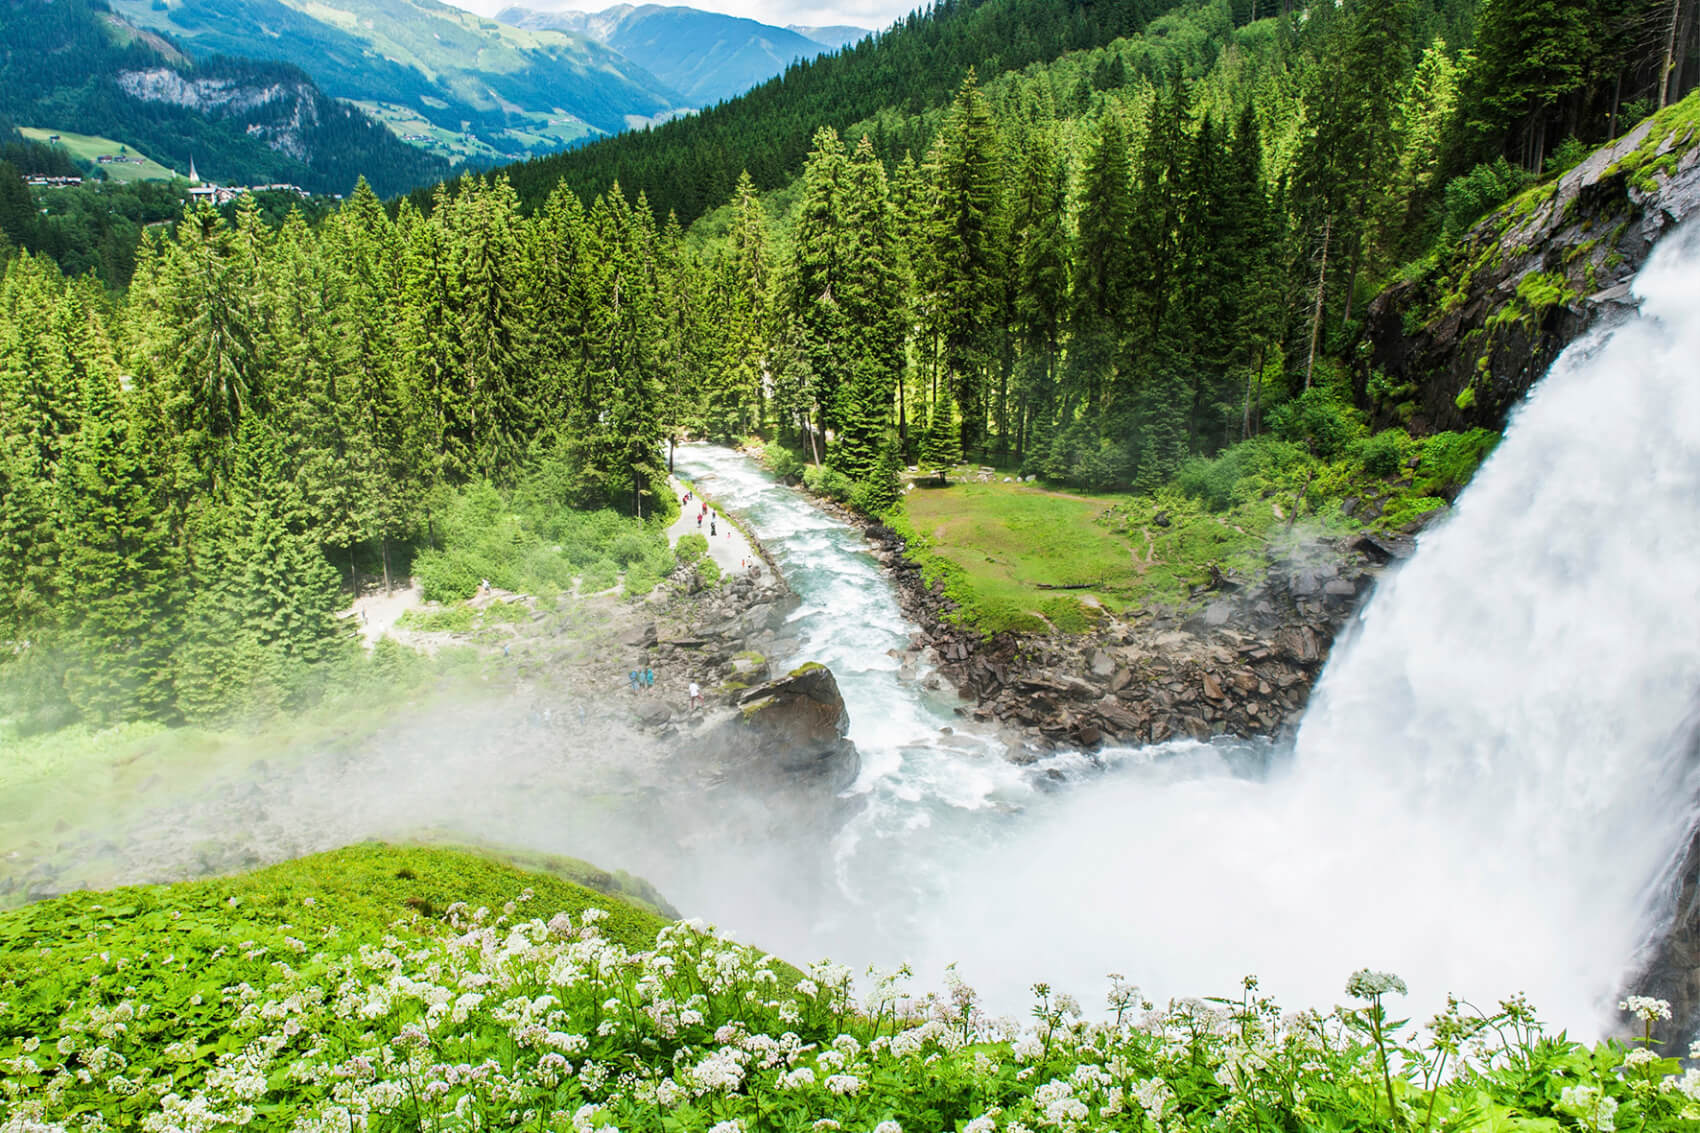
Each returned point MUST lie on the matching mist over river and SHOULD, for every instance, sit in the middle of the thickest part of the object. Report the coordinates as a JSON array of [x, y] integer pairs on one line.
[[1483, 797]]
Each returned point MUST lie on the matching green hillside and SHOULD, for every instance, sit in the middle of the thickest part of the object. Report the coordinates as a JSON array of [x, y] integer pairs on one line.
[[82, 68], [84, 147], [482, 89]]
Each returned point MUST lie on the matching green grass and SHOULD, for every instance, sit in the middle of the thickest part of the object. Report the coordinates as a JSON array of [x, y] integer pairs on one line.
[[78, 776], [85, 147], [177, 947], [1007, 542]]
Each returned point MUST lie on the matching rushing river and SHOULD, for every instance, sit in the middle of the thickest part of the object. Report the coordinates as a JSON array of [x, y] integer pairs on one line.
[[1482, 797]]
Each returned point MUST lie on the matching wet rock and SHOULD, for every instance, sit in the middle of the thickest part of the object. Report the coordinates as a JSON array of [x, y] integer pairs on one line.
[[790, 731], [1384, 548]]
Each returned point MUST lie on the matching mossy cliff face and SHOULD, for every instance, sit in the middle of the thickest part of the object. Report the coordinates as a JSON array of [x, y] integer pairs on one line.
[[1457, 347]]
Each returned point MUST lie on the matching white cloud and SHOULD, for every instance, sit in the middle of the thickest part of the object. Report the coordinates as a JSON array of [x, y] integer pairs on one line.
[[872, 14]]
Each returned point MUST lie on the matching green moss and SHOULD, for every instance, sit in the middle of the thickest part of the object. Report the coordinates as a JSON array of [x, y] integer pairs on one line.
[[1466, 397], [805, 667], [1675, 129]]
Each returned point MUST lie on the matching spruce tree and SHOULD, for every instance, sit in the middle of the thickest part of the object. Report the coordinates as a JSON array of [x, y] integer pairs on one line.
[[870, 298], [941, 449], [120, 567], [266, 598], [817, 283], [969, 243]]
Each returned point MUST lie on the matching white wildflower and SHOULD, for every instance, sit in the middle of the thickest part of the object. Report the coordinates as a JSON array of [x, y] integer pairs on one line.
[[1646, 1008]]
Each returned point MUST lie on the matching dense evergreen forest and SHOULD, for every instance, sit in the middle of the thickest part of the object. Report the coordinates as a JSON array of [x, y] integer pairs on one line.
[[1128, 256]]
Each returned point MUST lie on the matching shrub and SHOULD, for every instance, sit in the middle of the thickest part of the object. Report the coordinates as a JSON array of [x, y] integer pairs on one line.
[[1385, 453], [599, 576], [1472, 195], [1318, 420], [1103, 466], [1402, 510], [448, 619], [1248, 470], [1569, 152], [1448, 460], [708, 571], [1066, 613], [691, 547], [628, 548], [641, 578], [829, 482], [782, 462]]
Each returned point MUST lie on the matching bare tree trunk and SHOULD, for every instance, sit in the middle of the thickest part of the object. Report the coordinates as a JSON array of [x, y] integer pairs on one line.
[[1253, 379], [353, 573], [902, 415], [1321, 288], [1670, 55], [1616, 101], [385, 544], [814, 443]]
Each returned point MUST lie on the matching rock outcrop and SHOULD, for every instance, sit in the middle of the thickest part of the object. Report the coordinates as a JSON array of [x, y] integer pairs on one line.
[[1242, 664], [781, 758], [1459, 346]]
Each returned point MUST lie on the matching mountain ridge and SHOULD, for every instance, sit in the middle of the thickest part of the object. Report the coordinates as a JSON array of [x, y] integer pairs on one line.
[[459, 84], [88, 70], [707, 56]]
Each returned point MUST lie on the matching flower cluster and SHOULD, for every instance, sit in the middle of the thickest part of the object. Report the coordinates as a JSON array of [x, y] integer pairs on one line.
[[546, 1023]]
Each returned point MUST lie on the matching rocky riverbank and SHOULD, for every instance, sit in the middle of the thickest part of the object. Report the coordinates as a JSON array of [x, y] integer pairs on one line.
[[1243, 664]]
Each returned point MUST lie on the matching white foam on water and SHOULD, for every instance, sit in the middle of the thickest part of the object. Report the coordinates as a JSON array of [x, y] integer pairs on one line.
[[1481, 795]]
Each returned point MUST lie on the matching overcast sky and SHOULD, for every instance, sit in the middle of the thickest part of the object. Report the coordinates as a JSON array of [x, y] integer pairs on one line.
[[871, 14]]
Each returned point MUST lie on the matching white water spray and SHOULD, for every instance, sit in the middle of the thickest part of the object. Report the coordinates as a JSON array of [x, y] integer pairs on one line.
[[1484, 787]]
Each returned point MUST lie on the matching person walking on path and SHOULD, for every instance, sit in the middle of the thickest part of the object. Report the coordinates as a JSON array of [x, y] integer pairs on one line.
[[696, 697], [632, 679], [711, 530], [648, 677]]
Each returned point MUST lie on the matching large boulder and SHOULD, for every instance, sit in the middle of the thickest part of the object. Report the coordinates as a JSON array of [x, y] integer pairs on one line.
[[787, 737]]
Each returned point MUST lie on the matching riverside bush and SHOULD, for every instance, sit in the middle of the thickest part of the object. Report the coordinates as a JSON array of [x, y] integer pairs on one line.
[[782, 462], [537, 1016], [829, 482], [527, 542]]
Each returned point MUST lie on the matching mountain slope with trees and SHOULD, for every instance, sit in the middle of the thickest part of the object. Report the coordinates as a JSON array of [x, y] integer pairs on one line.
[[514, 91], [1140, 265], [691, 165], [75, 65]]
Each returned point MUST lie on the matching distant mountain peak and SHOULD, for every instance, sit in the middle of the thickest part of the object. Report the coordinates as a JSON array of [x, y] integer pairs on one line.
[[831, 36], [706, 56]]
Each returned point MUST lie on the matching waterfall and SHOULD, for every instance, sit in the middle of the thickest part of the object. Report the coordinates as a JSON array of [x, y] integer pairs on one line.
[[1483, 792], [1483, 797]]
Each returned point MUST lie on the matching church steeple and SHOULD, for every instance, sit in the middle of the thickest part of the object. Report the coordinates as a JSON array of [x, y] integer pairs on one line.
[[194, 178]]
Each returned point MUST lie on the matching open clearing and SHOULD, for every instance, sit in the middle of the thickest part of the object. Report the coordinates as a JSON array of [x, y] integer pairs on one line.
[[1019, 544], [87, 147]]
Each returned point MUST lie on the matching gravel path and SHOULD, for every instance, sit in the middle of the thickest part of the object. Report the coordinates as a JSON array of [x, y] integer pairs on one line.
[[731, 552]]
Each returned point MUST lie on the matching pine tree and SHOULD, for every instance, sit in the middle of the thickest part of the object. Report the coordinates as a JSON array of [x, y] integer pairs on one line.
[[969, 245], [941, 449], [817, 281], [120, 567], [870, 299]]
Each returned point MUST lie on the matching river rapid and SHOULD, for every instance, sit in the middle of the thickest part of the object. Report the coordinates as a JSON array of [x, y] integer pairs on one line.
[[1485, 795]]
